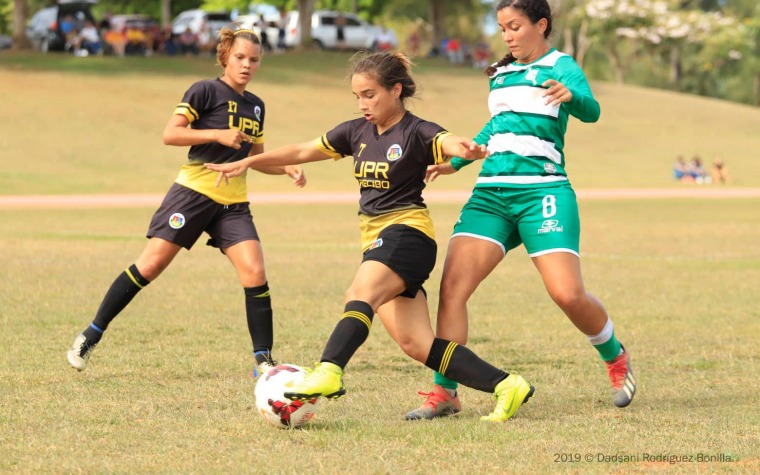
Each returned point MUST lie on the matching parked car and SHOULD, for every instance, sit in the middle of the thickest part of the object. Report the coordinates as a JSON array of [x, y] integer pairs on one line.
[[46, 27], [252, 21], [358, 33], [194, 20]]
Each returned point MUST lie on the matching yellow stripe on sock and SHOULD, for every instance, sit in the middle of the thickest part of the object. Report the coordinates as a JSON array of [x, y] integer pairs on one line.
[[447, 357], [359, 316], [265, 294], [133, 279]]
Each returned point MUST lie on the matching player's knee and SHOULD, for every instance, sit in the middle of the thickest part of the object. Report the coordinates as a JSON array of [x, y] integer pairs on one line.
[[569, 298], [414, 349]]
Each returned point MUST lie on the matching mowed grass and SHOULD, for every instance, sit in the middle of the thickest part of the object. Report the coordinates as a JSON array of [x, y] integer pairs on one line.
[[94, 125], [169, 389]]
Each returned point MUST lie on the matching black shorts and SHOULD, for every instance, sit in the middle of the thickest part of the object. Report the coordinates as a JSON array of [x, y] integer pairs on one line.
[[185, 214], [410, 253]]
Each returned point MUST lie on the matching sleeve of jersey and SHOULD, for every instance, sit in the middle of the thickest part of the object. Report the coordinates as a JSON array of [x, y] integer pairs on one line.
[[192, 102], [481, 139], [336, 143], [582, 105]]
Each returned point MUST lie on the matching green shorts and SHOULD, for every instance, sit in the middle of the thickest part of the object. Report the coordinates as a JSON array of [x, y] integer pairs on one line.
[[544, 219]]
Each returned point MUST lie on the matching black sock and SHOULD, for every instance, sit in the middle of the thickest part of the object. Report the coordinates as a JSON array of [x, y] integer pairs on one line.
[[258, 312], [351, 331], [460, 364], [121, 292]]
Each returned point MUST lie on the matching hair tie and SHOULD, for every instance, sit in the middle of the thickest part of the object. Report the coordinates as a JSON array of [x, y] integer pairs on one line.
[[243, 30]]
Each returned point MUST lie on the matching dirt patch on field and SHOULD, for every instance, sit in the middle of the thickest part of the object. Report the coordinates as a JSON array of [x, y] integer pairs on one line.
[[153, 200]]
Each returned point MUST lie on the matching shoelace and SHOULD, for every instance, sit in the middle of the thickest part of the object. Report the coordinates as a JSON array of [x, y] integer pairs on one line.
[[432, 398], [617, 369]]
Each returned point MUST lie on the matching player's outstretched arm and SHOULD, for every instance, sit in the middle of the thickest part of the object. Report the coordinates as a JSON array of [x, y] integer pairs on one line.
[[293, 171], [468, 149], [434, 171]]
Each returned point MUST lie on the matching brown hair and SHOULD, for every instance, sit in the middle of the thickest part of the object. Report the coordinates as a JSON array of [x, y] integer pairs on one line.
[[388, 69], [535, 10], [227, 37]]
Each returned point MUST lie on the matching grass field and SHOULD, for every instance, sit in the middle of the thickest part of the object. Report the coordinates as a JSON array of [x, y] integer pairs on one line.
[[169, 389]]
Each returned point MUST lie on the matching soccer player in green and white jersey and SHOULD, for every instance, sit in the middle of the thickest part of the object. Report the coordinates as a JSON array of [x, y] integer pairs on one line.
[[523, 196]]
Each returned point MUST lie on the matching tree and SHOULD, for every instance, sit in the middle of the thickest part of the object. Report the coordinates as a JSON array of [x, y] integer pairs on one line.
[[20, 41]]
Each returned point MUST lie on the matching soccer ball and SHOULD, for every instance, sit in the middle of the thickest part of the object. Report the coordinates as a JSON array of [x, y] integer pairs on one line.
[[273, 406]]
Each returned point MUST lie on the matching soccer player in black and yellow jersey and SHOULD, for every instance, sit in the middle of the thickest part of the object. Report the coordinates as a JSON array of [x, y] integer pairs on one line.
[[391, 149], [221, 122]]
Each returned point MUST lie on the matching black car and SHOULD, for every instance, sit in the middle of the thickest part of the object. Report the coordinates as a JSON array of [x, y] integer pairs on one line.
[[45, 29]]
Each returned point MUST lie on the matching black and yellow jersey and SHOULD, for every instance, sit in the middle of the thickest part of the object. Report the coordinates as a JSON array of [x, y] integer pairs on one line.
[[213, 104], [390, 169]]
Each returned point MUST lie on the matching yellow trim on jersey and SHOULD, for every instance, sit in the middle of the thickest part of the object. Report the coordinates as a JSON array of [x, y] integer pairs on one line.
[[133, 279], [417, 218], [322, 144], [257, 139], [446, 359], [195, 176], [438, 156], [359, 316], [183, 108]]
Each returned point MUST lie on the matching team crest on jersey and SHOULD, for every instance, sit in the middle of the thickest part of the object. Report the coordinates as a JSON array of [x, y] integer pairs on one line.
[[177, 220], [550, 168], [531, 75], [376, 244], [394, 152], [257, 113]]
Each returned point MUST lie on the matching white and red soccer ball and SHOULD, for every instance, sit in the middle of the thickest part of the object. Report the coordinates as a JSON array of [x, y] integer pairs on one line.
[[271, 402]]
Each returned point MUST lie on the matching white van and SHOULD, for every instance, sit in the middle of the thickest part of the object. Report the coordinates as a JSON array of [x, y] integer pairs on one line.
[[195, 18], [359, 34]]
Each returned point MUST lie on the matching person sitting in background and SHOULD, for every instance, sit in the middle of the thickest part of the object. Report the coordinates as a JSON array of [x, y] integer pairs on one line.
[[188, 42], [697, 171], [69, 31], [384, 40], [482, 56], [680, 169], [87, 41], [719, 172]]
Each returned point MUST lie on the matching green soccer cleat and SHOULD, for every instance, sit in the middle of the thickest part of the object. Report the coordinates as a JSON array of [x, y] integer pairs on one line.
[[325, 380], [510, 394], [621, 377], [437, 403]]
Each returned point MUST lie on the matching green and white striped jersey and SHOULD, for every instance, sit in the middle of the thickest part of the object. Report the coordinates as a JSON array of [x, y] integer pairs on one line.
[[525, 136]]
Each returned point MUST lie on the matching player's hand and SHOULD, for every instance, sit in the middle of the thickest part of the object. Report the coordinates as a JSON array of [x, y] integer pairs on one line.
[[434, 171], [227, 170], [556, 92], [471, 150], [232, 138], [297, 174]]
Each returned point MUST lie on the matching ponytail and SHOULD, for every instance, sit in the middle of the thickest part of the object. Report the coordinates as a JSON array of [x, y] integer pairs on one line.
[[491, 70]]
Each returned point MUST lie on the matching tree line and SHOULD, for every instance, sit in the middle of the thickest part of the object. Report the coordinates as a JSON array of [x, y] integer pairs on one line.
[[706, 47]]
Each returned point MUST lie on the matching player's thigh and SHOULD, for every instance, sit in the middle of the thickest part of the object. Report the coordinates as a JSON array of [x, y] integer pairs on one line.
[[248, 259], [408, 323], [548, 220]]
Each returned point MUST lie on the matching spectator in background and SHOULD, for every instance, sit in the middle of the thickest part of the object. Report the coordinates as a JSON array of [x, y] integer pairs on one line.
[[69, 30], [697, 171], [414, 40], [719, 172], [681, 170], [340, 31], [454, 51], [482, 57], [87, 42], [281, 31], [206, 42], [263, 35], [384, 40], [168, 41], [188, 42]]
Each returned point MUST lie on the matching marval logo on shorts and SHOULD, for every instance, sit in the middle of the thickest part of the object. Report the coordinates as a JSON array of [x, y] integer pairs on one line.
[[376, 244], [550, 226], [394, 152], [177, 220]]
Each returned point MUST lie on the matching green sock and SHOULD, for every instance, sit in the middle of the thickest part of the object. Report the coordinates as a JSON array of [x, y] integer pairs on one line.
[[610, 349], [444, 382]]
